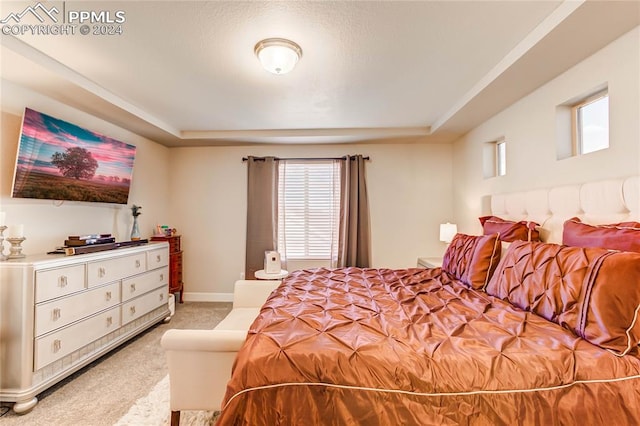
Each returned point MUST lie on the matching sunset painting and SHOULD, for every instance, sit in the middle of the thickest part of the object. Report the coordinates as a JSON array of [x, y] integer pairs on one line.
[[61, 161]]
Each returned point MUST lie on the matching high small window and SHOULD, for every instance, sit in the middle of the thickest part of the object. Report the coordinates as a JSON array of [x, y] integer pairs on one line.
[[494, 158], [501, 158], [590, 124]]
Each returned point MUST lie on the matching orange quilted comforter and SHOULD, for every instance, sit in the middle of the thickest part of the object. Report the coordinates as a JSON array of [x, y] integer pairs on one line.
[[417, 347]]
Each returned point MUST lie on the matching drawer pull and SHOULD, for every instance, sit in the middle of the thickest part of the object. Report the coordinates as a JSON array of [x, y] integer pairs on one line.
[[161, 297], [102, 272], [161, 277], [133, 287], [158, 258], [132, 310], [108, 296], [109, 321], [62, 281], [57, 345], [56, 314], [137, 263]]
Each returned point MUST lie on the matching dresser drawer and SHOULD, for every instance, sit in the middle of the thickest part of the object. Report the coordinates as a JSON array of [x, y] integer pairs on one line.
[[141, 284], [61, 312], [157, 258], [176, 260], [174, 242], [109, 270], [54, 346], [136, 308], [59, 282]]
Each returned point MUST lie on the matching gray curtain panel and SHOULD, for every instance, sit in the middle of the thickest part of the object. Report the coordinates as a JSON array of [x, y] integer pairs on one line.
[[354, 246], [262, 211]]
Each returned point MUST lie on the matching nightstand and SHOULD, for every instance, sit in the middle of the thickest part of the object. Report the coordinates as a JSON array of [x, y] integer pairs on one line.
[[429, 262], [262, 275]]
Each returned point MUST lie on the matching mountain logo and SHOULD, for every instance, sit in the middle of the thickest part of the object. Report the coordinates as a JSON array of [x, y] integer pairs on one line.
[[38, 10]]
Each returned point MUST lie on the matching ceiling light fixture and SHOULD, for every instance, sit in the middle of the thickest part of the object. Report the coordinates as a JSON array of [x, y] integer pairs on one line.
[[278, 55]]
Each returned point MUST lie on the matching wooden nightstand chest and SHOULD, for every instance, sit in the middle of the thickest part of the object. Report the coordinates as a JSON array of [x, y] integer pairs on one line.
[[175, 263]]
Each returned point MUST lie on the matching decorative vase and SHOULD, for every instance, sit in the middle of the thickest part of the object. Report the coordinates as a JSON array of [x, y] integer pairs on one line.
[[135, 230]]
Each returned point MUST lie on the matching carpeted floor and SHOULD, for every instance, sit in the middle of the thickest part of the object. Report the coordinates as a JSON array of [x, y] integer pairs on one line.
[[104, 391], [147, 410]]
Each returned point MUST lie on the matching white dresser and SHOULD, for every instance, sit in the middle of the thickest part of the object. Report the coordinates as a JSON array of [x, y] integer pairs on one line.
[[57, 313]]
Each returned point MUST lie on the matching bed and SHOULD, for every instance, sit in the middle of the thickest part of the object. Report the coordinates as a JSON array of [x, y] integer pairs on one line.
[[540, 334]]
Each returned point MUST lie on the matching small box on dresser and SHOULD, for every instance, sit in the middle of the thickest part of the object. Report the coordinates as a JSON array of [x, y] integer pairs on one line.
[[57, 314], [175, 262]]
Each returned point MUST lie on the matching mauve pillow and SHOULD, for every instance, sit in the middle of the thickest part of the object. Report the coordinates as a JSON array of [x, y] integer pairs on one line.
[[624, 236], [593, 292], [509, 230], [472, 259]]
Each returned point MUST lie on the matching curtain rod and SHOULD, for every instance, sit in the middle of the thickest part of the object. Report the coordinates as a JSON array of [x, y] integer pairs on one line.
[[306, 159]]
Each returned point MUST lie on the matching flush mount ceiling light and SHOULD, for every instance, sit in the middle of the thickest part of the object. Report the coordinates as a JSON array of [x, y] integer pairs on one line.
[[278, 55]]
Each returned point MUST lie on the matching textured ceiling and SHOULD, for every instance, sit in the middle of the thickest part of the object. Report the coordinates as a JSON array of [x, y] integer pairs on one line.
[[184, 72]]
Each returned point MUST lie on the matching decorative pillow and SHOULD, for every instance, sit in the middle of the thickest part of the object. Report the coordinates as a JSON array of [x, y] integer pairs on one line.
[[509, 230], [472, 259], [623, 236], [593, 292]]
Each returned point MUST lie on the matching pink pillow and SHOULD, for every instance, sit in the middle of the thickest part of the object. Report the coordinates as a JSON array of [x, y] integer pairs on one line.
[[623, 236], [472, 259], [509, 230], [592, 291]]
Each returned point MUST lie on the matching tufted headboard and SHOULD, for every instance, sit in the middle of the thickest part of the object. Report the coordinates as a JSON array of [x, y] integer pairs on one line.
[[599, 202]]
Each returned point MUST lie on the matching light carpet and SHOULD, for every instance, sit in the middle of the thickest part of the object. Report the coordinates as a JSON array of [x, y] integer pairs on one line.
[[153, 410]]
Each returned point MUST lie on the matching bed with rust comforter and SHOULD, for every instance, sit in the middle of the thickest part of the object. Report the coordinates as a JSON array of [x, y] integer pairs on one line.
[[551, 338]]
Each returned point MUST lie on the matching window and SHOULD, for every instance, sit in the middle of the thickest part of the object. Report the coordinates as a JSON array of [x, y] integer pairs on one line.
[[494, 158], [308, 209], [590, 124], [501, 158]]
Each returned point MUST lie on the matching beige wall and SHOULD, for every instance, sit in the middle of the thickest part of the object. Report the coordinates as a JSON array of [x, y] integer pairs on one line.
[[202, 192], [412, 187], [529, 127], [47, 223], [409, 189]]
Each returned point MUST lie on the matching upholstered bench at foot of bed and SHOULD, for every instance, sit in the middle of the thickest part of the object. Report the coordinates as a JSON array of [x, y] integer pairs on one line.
[[200, 361]]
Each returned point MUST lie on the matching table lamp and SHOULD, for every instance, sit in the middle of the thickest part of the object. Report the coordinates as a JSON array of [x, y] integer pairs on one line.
[[448, 231]]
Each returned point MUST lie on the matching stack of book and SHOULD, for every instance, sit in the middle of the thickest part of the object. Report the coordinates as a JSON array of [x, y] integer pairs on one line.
[[79, 244], [85, 240]]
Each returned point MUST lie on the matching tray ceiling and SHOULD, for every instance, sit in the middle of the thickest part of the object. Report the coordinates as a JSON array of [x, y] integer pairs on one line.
[[183, 73]]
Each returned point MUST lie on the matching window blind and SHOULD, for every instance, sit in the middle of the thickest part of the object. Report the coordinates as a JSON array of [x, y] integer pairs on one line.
[[308, 209]]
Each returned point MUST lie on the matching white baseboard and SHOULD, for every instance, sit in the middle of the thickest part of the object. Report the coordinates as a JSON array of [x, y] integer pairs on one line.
[[207, 297]]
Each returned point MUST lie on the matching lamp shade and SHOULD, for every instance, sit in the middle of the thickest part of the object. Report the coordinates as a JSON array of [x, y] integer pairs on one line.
[[278, 55], [448, 231]]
